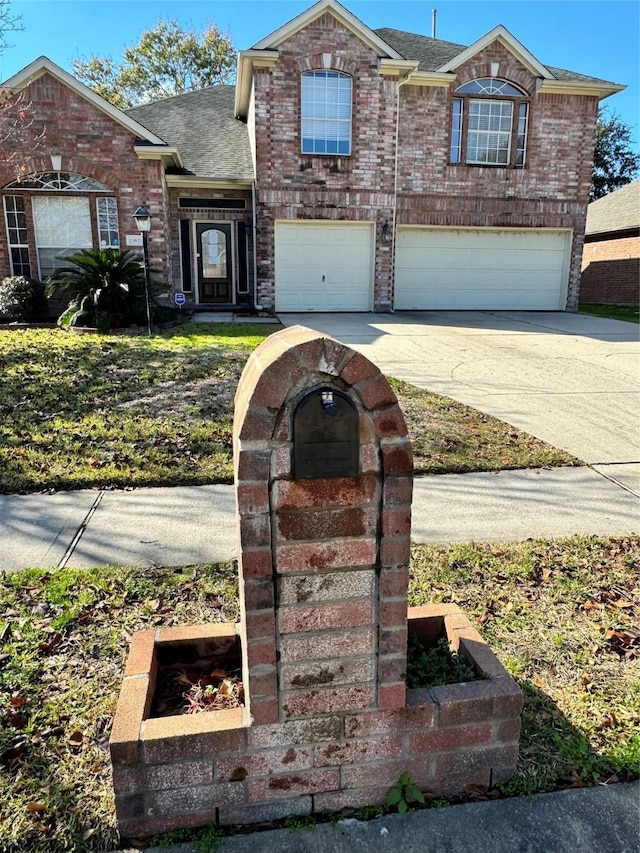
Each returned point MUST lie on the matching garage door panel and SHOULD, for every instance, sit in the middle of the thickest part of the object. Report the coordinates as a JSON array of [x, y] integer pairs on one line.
[[323, 267], [481, 269]]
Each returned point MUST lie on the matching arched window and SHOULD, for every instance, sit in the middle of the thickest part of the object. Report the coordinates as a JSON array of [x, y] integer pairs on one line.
[[69, 181], [62, 219], [489, 123], [326, 112]]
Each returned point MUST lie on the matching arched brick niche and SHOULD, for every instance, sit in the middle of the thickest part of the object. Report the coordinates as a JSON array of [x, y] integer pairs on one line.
[[323, 559]]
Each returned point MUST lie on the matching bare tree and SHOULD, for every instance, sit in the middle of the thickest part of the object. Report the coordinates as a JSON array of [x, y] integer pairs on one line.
[[16, 122]]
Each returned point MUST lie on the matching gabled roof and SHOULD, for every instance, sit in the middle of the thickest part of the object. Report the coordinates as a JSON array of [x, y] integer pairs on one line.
[[43, 65], [435, 55], [202, 126], [370, 37], [503, 36], [264, 52], [618, 211]]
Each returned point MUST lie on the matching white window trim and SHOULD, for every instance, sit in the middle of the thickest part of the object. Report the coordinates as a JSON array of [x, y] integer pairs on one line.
[[485, 134], [458, 155], [11, 245], [315, 120], [111, 244]]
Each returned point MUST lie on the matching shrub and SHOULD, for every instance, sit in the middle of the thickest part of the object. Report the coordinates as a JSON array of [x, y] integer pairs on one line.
[[107, 289], [23, 299]]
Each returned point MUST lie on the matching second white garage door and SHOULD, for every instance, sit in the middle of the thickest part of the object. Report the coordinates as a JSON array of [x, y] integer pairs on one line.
[[481, 269], [322, 266]]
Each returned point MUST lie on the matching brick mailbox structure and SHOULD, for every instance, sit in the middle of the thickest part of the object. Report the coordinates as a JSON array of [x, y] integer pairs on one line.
[[324, 485]]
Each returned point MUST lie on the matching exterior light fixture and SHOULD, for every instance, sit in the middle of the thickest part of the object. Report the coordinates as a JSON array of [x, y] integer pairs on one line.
[[143, 219], [386, 232], [143, 224]]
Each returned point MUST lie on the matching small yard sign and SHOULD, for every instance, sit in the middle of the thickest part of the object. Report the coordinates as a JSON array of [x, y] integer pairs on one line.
[[179, 299]]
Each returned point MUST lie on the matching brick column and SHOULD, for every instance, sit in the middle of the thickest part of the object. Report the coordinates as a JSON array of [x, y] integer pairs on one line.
[[323, 561]]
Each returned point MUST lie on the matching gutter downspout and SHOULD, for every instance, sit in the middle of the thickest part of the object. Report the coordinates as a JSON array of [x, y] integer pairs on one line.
[[395, 189], [255, 246]]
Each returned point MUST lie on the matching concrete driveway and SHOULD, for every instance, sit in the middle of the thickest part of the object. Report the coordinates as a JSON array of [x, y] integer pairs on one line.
[[569, 379]]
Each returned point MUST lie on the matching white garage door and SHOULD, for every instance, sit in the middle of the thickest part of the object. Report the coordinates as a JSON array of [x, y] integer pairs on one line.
[[322, 266], [481, 269]]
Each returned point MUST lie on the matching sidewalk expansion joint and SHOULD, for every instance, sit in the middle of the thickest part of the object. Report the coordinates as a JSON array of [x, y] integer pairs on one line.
[[78, 534]]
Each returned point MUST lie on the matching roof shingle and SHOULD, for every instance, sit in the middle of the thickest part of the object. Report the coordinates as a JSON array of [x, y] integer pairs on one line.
[[617, 211], [212, 142], [434, 53]]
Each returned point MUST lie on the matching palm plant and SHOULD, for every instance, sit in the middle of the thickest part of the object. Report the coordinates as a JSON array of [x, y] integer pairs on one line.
[[107, 288]]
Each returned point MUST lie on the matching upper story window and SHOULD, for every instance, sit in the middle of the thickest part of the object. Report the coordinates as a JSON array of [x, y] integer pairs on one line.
[[489, 124], [326, 112]]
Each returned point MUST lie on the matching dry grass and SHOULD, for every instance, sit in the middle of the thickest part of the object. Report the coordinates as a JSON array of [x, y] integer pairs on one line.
[[114, 412], [556, 613]]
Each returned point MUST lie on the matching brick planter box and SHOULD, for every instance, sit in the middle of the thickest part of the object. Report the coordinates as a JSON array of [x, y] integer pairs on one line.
[[324, 484], [189, 770]]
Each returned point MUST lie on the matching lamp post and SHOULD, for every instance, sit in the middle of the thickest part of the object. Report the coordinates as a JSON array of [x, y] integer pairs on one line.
[[143, 224]]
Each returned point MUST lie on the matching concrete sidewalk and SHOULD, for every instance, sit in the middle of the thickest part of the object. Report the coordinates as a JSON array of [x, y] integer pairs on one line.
[[186, 525], [589, 820]]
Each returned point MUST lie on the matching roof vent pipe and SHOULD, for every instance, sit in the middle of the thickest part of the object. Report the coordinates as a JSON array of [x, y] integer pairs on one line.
[[434, 15]]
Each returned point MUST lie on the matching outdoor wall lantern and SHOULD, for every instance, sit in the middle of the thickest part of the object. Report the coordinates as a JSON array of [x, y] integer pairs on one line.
[[386, 232], [143, 224]]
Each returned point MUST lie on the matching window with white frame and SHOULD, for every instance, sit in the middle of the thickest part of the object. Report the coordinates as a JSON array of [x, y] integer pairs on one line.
[[17, 235], [62, 219], [62, 227], [107, 212], [489, 124], [326, 112]]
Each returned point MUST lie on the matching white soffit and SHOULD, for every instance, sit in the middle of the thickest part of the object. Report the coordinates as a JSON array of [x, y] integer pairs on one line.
[[502, 35]]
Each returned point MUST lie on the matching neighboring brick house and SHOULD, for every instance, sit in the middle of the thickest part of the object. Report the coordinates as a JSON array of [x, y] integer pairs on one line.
[[371, 170], [611, 258]]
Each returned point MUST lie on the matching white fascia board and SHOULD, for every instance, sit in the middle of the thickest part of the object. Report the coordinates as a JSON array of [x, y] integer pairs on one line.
[[430, 78], [169, 156], [397, 67], [580, 87], [343, 15], [194, 182], [247, 61], [502, 35], [44, 65]]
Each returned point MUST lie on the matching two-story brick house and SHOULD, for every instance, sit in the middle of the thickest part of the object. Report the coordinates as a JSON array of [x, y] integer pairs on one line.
[[347, 170]]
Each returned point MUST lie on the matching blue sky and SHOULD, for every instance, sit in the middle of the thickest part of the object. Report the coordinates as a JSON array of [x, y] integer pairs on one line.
[[597, 38]]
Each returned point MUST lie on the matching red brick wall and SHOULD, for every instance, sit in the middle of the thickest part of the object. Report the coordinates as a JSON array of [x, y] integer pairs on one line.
[[611, 271], [332, 552], [323, 567], [551, 192], [203, 214], [292, 185], [92, 144]]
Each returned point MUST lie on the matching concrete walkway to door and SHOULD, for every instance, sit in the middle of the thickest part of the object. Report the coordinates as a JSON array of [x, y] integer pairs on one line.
[[569, 379]]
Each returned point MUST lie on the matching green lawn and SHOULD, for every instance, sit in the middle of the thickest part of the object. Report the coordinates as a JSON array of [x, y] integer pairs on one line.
[[82, 411], [561, 615], [614, 312]]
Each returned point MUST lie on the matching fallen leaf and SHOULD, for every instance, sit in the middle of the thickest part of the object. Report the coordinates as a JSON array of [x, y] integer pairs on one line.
[[219, 673], [36, 807], [17, 701]]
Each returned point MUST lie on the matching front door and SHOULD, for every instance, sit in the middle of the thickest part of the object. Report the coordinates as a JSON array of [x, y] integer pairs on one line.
[[213, 252]]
